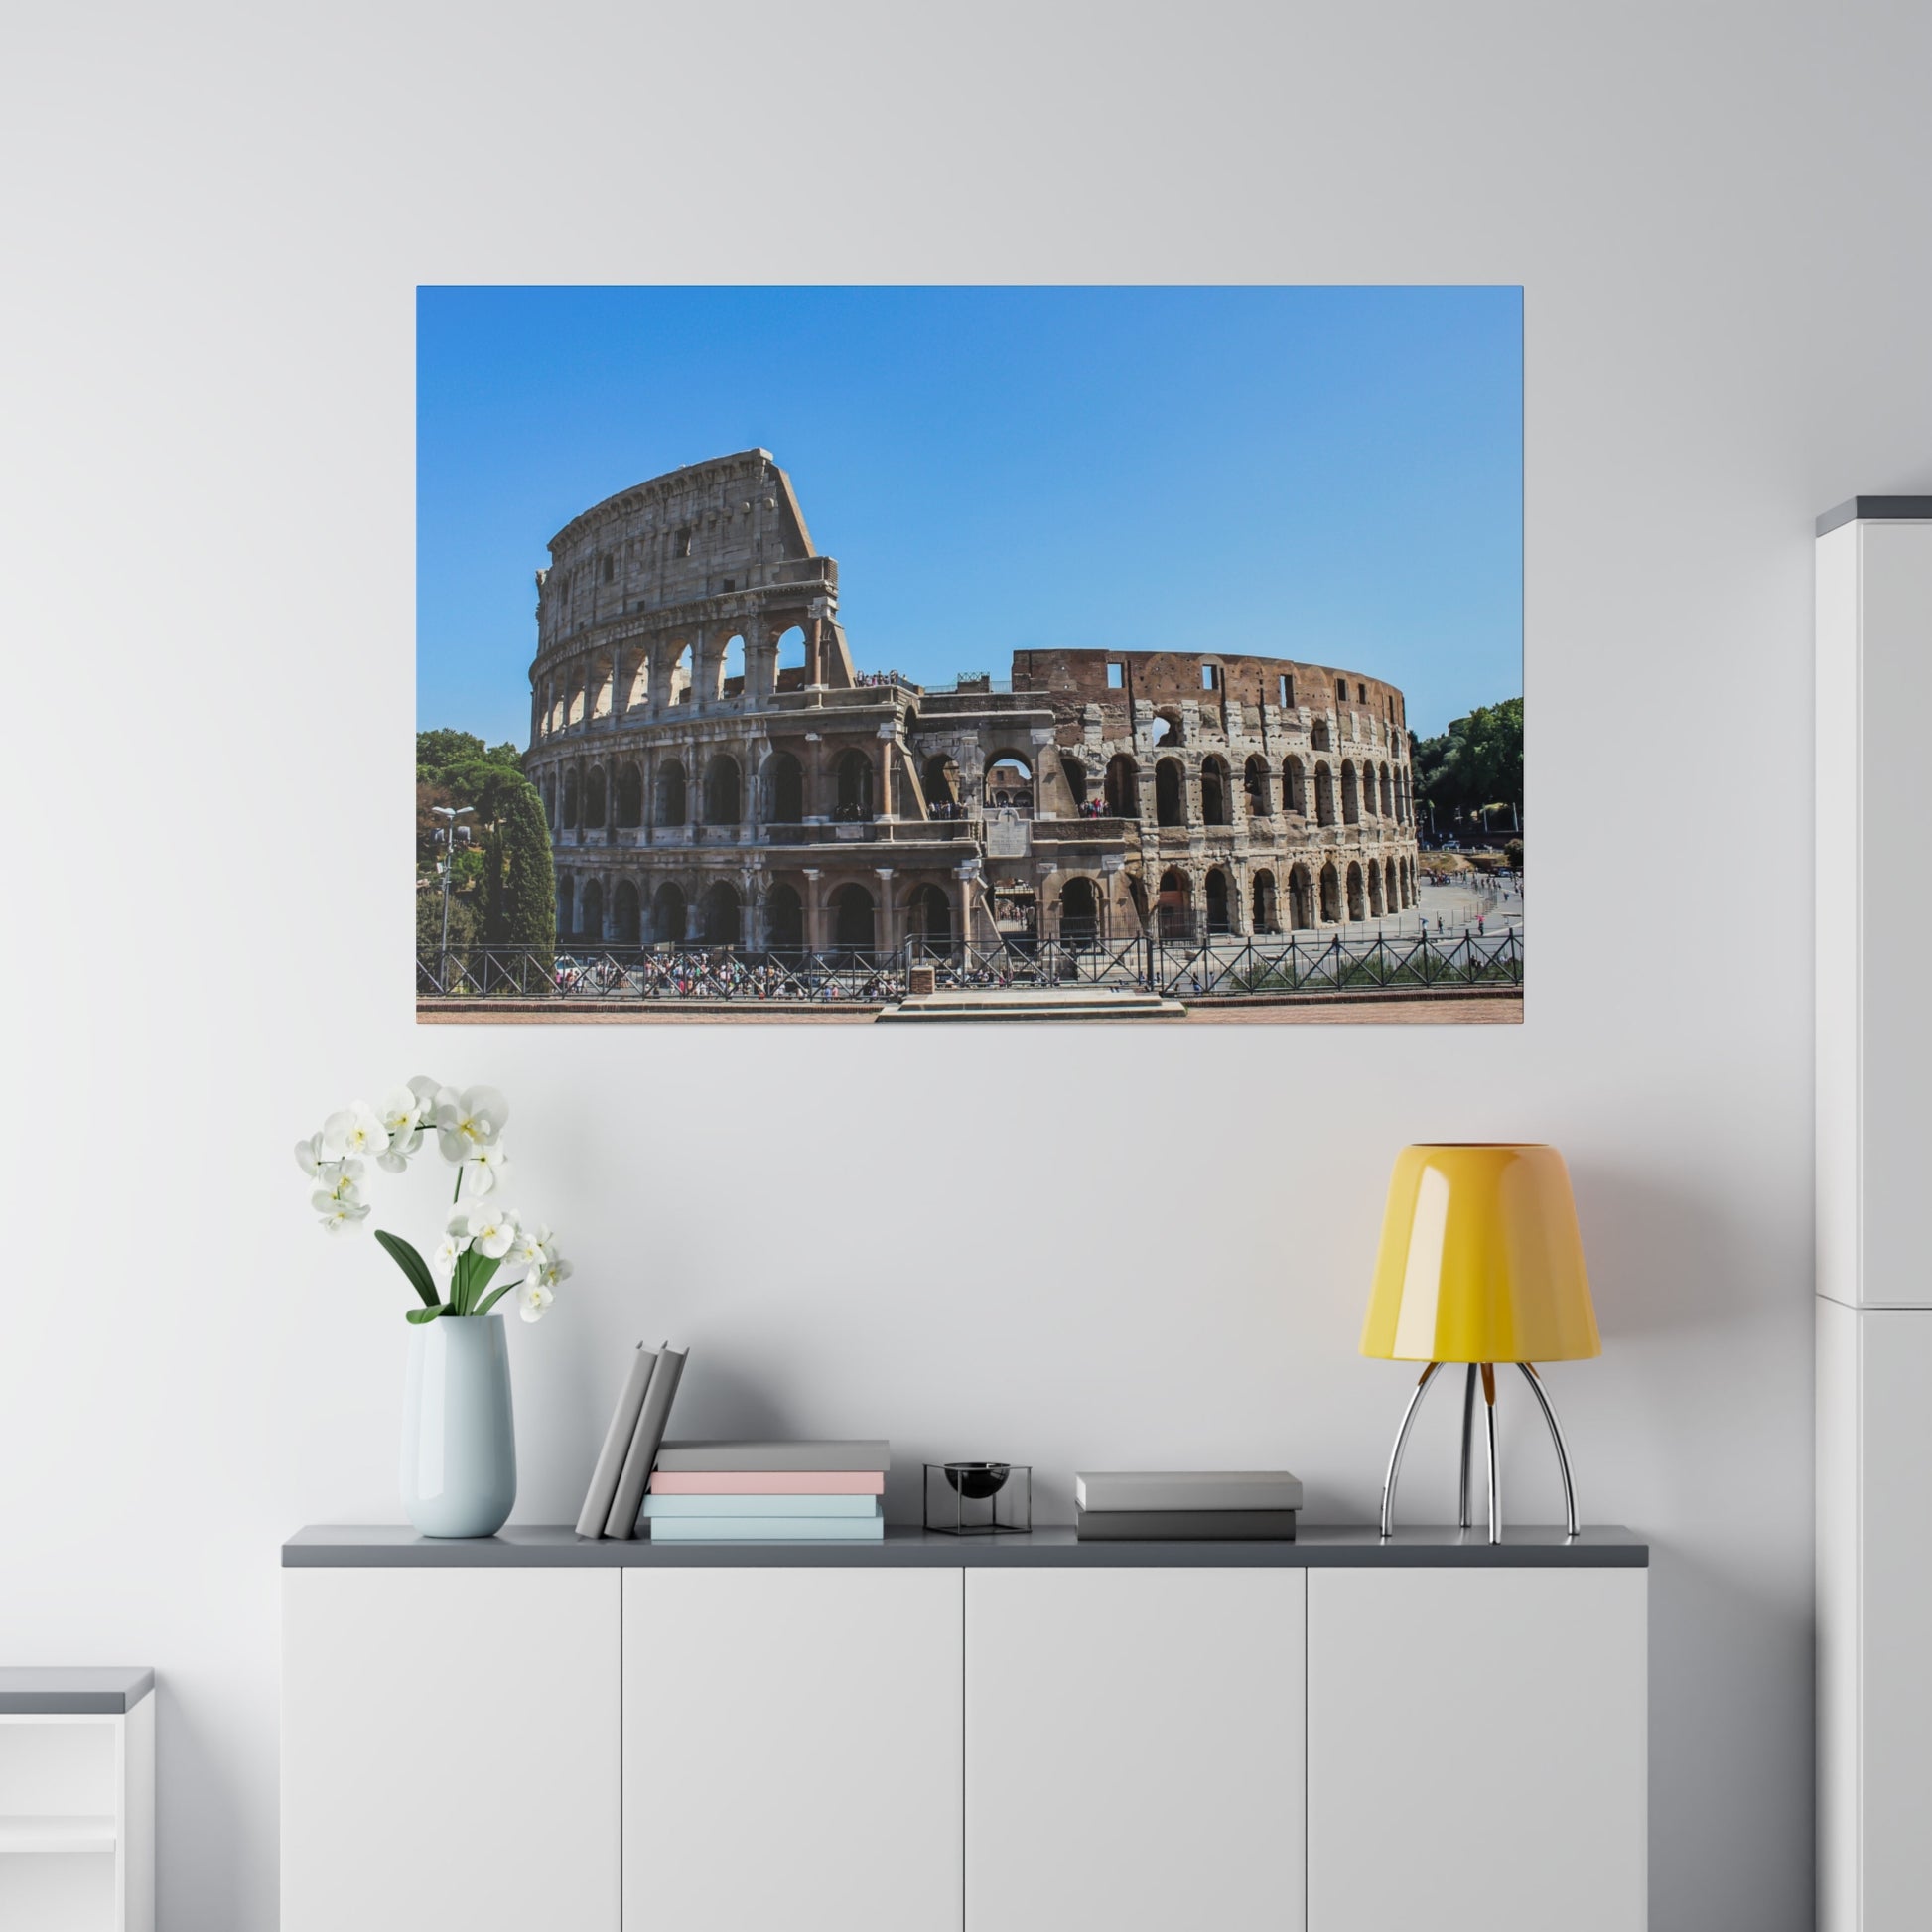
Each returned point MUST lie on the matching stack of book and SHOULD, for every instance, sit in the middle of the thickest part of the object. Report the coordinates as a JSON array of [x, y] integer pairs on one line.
[[1226, 1505], [630, 1443], [778, 1493]]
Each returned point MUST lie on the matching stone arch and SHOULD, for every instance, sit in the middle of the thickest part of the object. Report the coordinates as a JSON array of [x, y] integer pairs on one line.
[[791, 658], [1351, 794], [1215, 806], [570, 799], [1324, 795], [1388, 793], [597, 802], [631, 797], [1295, 785], [678, 686], [673, 806], [730, 667], [784, 789], [1079, 913], [1301, 900], [1170, 793], [721, 915], [639, 691], [1075, 775], [1254, 779], [1375, 902], [853, 922], [1319, 738], [626, 913], [784, 919], [852, 785], [928, 917], [1392, 892], [724, 790], [1122, 786], [940, 782], [1166, 730], [1010, 782], [549, 792], [589, 909], [1358, 900], [1175, 904], [1219, 913], [1265, 919], [667, 912], [1331, 895]]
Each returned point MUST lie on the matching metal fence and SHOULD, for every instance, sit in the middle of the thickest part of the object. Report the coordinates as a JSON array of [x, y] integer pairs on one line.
[[1275, 967]]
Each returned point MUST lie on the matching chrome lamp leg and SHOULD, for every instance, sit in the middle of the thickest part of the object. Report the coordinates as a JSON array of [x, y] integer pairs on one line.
[[1556, 1436], [1495, 1468], [1401, 1439], [1463, 1516]]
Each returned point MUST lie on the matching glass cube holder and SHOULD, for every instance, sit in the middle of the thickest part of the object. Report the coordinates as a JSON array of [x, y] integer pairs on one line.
[[979, 1498]]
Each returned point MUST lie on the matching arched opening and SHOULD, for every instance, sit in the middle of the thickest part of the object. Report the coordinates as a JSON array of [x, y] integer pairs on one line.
[[1391, 891], [1388, 795], [631, 797], [1324, 795], [667, 914], [1214, 792], [852, 920], [1123, 788], [852, 779], [785, 920], [784, 789], [928, 919], [1075, 775], [939, 780], [627, 915], [1080, 913], [791, 659], [1265, 919], [1301, 900], [589, 911], [1294, 787], [1357, 900], [672, 807], [565, 904], [1255, 781], [1374, 889], [639, 689], [594, 798], [724, 915], [549, 793], [570, 801], [1166, 730], [1170, 793], [1010, 784], [723, 802], [1351, 796], [1319, 736], [731, 669], [1217, 900], [603, 679], [1331, 895], [1175, 913], [678, 685]]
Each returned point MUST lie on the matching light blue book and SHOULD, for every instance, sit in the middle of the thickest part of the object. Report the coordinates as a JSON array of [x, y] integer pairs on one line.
[[663, 1506], [767, 1529]]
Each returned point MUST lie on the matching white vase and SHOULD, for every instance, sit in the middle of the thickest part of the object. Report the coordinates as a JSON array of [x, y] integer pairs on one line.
[[459, 1440]]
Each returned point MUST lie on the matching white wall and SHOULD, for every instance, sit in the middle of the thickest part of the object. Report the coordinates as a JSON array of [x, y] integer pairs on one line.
[[215, 226]]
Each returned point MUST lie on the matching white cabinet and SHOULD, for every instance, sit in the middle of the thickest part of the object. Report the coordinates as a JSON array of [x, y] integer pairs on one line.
[[1133, 1750], [791, 1750], [76, 1817], [450, 1749], [1476, 1750]]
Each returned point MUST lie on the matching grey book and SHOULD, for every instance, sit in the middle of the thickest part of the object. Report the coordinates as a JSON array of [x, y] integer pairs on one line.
[[645, 1441], [1186, 1526], [1189, 1490], [617, 1444], [739, 1458]]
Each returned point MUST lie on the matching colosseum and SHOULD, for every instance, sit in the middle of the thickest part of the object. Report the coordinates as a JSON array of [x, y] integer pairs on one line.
[[718, 771]]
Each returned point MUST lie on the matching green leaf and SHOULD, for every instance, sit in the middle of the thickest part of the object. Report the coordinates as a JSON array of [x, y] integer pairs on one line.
[[412, 1265], [482, 1268], [495, 1296], [420, 1316]]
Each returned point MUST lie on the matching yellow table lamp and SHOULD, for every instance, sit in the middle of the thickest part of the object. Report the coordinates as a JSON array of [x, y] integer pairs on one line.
[[1480, 1263]]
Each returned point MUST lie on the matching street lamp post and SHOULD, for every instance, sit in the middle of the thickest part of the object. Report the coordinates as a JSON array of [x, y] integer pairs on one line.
[[446, 837]]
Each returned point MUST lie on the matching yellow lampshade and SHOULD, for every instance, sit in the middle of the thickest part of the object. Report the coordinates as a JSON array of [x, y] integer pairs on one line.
[[1480, 1261]]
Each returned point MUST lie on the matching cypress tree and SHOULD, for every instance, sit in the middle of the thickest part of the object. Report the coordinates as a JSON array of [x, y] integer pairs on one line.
[[523, 899]]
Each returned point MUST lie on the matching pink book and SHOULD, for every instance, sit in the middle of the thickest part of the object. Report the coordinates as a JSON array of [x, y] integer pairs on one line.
[[769, 1482]]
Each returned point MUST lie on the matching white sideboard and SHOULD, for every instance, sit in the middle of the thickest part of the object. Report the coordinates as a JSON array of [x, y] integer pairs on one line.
[[936, 1734], [1875, 1279]]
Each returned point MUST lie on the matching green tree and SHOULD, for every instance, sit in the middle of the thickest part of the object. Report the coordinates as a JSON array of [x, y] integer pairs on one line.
[[1477, 762], [503, 885], [520, 904]]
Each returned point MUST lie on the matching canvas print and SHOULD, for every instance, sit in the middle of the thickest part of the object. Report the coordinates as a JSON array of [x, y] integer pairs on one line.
[[963, 653]]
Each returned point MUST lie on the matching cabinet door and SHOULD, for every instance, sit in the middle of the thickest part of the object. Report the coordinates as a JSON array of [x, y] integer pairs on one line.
[[1477, 1744], [450, 1749], [791, 1750], [1133, 1750]]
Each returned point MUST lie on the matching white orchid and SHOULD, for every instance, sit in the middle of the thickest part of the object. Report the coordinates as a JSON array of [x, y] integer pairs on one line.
[[531, 1301], [492, 1230], [310, 1158], [425, 1089], [486, 1171], [551, 1270], [467, 1121], [340, 1179], [401, 1114], [531, 1248], [357, 1130], [342, 1212]]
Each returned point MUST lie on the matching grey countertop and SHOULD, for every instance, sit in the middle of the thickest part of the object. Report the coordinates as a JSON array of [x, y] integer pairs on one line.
[[68, 1690], [1317, 1546]]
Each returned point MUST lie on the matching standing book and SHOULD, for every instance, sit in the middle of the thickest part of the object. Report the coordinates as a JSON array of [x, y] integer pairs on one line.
[[617, 1444], [644, 1441]]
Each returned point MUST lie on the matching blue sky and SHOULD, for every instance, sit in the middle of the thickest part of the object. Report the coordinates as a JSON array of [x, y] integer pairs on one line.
[[1334, 475]]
